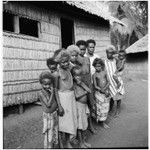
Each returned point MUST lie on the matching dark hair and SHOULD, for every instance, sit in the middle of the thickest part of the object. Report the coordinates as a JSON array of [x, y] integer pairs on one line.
[[91, 41], [81, 42], [122, 51], [99, 61], [56, 52], [46, 75], [73, 70], [51, 61]]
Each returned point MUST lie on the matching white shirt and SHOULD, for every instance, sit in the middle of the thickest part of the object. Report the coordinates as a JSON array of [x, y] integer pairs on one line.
[[91, 61]]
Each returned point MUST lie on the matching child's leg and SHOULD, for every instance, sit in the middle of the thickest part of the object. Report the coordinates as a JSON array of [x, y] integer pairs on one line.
[[84, 142], [68, 140], [60, 140], [118, 108], [45, 140], [105, 125], [81, 139], [111, 104], [91, 128]]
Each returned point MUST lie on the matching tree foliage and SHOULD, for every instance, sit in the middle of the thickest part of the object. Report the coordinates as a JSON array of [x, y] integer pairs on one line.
[[132, 13]]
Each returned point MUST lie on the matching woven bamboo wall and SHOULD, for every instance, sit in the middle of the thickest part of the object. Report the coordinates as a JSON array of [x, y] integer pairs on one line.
[[85, 30], [24, 56]]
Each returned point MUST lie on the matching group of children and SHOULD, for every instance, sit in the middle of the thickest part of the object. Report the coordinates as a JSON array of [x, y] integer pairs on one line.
[[79, 86]]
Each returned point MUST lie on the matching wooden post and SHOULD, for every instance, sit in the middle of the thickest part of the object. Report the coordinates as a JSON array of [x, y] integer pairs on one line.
[[21, 109], [16, 24]]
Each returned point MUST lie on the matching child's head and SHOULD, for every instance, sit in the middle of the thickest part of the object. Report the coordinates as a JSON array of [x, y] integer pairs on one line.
[[76, 73], [110, 51], [82, 46], [122, 54], [98, 64], [51, 64], [91, 46], [62, 57], [74, 52], [46, 80]]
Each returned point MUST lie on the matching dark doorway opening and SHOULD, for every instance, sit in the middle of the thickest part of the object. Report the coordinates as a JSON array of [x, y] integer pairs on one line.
[[67, 32]]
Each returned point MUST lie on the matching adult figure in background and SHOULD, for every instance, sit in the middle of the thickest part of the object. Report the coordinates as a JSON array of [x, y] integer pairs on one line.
[[86, 77], [90, 53]]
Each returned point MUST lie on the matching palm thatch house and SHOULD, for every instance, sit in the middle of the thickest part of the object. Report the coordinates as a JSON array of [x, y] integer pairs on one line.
[[137, 57], [33, 30]]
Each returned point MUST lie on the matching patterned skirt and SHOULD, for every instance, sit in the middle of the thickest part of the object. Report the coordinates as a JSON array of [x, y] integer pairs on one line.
[[102, 106]]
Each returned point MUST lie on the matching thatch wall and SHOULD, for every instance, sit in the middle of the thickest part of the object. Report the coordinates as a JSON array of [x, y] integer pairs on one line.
[[137, 63], [85, 30], [24, 56]]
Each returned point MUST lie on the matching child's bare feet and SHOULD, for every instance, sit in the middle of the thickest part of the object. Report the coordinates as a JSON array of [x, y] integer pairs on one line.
[[92, 130], [82, 145], [105, 126], [69, 145], [116, 115], [88, 145]]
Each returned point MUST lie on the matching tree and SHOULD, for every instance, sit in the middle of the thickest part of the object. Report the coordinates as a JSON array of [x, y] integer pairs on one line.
[[135, 15]]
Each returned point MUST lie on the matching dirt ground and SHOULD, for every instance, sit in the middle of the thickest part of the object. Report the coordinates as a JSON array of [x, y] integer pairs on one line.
[[130, 129]]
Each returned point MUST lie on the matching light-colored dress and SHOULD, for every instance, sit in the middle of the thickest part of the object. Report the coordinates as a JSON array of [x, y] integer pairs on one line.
[[82, 108], [102, 106], [68, 122]]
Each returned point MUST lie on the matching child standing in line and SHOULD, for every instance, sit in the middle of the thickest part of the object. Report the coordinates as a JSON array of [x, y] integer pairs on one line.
[[49, 106], [111, 68], [120, 63], [68, 122], [81, 91], [53, 67], [86, 78], [101, 87]]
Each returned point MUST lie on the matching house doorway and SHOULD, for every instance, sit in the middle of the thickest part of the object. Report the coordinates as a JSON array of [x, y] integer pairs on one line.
[[67, 32]]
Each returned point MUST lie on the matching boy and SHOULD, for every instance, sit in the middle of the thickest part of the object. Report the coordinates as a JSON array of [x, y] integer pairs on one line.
[[101, 86], [52, 65], [49, 107]]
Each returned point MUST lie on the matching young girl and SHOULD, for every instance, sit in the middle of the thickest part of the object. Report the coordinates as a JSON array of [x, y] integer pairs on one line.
[[68, 122], [81, 91], [101, 86], [49, 106]]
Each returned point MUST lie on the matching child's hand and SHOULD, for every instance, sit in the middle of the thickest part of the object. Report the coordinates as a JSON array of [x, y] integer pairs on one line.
[[118, 85], [61, 111], [107, 93], [89, 91]]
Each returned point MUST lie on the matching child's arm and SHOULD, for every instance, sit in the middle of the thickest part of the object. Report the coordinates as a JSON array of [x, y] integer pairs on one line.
[[95, 84], [85, 87], [108, 83], [40, 97], [121, 67], [51, 97], [56, 86]]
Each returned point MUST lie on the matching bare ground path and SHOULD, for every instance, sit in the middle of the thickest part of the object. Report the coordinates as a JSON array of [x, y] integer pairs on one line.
[[130, 129]]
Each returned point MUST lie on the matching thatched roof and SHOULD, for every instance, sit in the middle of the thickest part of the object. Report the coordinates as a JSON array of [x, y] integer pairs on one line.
[[97, 8], [139, 46]]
